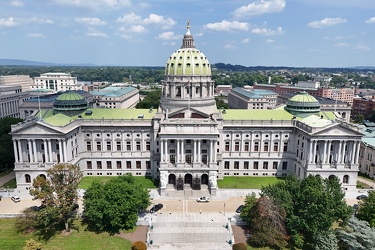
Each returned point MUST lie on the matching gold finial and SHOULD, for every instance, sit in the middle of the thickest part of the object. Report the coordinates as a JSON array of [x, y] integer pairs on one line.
[[188, 24]]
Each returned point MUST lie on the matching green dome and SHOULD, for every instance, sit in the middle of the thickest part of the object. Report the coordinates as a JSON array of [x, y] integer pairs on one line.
[[303, 105], [69, 103], [69, 96], [188, 61]]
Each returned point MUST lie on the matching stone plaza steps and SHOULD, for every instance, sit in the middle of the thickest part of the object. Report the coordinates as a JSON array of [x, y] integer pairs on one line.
[[189, 231]]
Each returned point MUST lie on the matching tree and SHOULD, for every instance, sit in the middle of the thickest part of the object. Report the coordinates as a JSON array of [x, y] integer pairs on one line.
[[325, 240], [139, 245], [250, 201], [114, 205], [366, 209], [6, 144], [357, 235], [59, 194]]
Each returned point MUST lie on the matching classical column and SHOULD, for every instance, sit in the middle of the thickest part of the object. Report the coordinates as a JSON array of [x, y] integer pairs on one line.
[[199, 151], [50, 150], [325, 152], [60, 151], [211, 150], [35, 151], [329, 151], [182, 150], [45, 150], [65, 143], [214, 150], [195, 159], [178, 150], [357, 152], [15, 150], [161, 150], [343, 152], [20, 150], [166, 150], [339, 152], [311, 150]]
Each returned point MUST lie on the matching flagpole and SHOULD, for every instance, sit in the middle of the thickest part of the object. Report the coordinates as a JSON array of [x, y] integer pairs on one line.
[[40, 112]]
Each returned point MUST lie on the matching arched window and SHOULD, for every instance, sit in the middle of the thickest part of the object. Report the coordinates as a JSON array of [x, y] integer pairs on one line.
[[345, 179], [27, 178], [43, 176]]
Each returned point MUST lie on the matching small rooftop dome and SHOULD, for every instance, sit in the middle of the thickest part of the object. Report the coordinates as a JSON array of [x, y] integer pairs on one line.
[[69, 103], [303, 105]]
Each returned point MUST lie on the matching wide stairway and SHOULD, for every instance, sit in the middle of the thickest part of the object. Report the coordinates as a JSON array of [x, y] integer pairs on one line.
[[189, 231]]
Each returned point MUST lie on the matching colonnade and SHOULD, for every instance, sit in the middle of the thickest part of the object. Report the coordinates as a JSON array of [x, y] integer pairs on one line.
[[8, 108], [188, 90]]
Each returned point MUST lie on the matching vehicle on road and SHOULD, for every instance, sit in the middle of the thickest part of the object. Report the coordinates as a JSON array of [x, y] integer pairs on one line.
[[203, 199], [16, 199], [362, 196], [239, 209], [156, 208]]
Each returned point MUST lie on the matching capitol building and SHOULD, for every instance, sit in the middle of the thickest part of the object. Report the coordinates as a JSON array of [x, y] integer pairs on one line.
[[187, 142]]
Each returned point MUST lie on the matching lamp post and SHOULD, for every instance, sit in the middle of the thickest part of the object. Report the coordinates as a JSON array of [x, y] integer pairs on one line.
[[224, 208]]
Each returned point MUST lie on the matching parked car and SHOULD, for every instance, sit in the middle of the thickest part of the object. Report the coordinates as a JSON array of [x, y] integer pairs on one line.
[[362, 196], [16, 199], [239, 209], [156, 208], [203, 199]]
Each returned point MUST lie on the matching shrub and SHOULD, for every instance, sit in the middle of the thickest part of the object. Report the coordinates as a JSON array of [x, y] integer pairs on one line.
[[240, 246], [32, 245], [139, 245]]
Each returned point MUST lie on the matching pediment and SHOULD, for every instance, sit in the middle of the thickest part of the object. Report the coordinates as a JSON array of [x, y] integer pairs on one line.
[[338, 130], [37, 129], [178, 113]]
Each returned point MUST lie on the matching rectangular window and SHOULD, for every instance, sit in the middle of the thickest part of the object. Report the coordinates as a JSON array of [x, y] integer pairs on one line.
[[274, 164], [256, 165], [236, 165], [246, 165], [172, 159], [138, 145], [128, 164], [285, 165], [148, 165], [265, 165], [227, 146], [237, 146], [99, 146], [265, 147], [148, 148], [204, 159], [88, 145], [246, 146], [109, 146], [226, 165], [285, 146], [118, 145], [276, 147], [89, 165], [256, 146], [99, 165], [128, 146], [109, 165], [138, 164], [118, 165]]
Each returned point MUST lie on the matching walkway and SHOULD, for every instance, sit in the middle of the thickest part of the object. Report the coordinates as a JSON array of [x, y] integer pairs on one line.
[[7, 178]]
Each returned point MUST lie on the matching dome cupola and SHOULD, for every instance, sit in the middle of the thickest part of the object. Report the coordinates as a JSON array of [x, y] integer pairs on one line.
[[303, 105], [69, 103]]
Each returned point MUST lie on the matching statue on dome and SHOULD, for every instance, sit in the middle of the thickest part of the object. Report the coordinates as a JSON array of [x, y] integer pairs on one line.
[[188, 24]]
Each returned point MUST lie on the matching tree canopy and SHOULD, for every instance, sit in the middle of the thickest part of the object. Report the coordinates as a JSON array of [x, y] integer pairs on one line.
[[114, 205], [58, 193], [6, 145], [366, 209]]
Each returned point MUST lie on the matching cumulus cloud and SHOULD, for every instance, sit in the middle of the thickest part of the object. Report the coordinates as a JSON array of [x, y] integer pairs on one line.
[[246, 40], [326, 22], [258, 8], [370, 20], [93, 21], [16, 3], [35, 35], [362, 47], [7, 22], [270, 41], [129, 18], [40, 20], [229, 46], [267, 32], [94, 4], [137, 29], [95, 33], [168, 36], [156, 19], [227, 26]]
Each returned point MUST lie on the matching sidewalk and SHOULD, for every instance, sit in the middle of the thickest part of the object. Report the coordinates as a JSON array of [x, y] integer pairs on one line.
[[367, 181], [7, 178]]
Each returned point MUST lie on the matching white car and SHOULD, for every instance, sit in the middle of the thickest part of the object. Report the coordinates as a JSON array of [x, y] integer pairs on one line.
[[203, 199], [16, 199]]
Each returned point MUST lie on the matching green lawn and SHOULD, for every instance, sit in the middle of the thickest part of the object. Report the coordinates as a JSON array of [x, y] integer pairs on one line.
[[11, 239], [147, 182], [10, 184], [247, 182]]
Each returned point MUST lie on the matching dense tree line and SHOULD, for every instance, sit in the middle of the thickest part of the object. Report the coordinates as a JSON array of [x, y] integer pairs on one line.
[[6, 144]]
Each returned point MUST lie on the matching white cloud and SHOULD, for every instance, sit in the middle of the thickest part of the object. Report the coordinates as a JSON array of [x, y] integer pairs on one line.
[[130, 18], [168, 36], [363, 47], [94, 4], [94, 21], [137, 29], [246, 40], [40, 20], [227, 26], [126, 37], [16, 3], [258, 8], [156, 19], [270, 41], [229, 46], [370, 20], [268, 32], [7, 22], [35, 35], [342, 45], [326, 22], [95, 33]]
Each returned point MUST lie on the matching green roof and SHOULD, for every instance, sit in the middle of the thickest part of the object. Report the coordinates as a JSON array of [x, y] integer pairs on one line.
[[188, 61], [69, 96], [256, 114], [107, 114]]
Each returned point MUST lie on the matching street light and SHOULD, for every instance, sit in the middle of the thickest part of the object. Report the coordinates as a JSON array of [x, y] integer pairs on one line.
[[224, 208]]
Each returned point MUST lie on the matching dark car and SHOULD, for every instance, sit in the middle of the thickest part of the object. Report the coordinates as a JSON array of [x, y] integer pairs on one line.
[[362, 196], [156, 208], [239, 209]]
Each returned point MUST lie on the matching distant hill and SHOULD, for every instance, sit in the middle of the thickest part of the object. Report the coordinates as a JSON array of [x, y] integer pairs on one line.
[[17, 62]]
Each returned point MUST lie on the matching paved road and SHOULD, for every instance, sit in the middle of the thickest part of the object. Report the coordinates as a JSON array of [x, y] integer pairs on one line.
[[7, 178]]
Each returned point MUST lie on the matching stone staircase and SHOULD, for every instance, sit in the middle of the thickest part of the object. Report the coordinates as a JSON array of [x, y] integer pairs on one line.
[[190, 231]]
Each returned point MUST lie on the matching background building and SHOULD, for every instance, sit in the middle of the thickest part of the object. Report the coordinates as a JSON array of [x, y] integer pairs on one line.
[[239, 98], [56, 82], [116, 97], [10, 99], [24, 81]]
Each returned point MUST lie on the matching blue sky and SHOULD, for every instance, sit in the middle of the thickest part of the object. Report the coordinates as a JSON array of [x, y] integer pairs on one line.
[[297, 33]]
